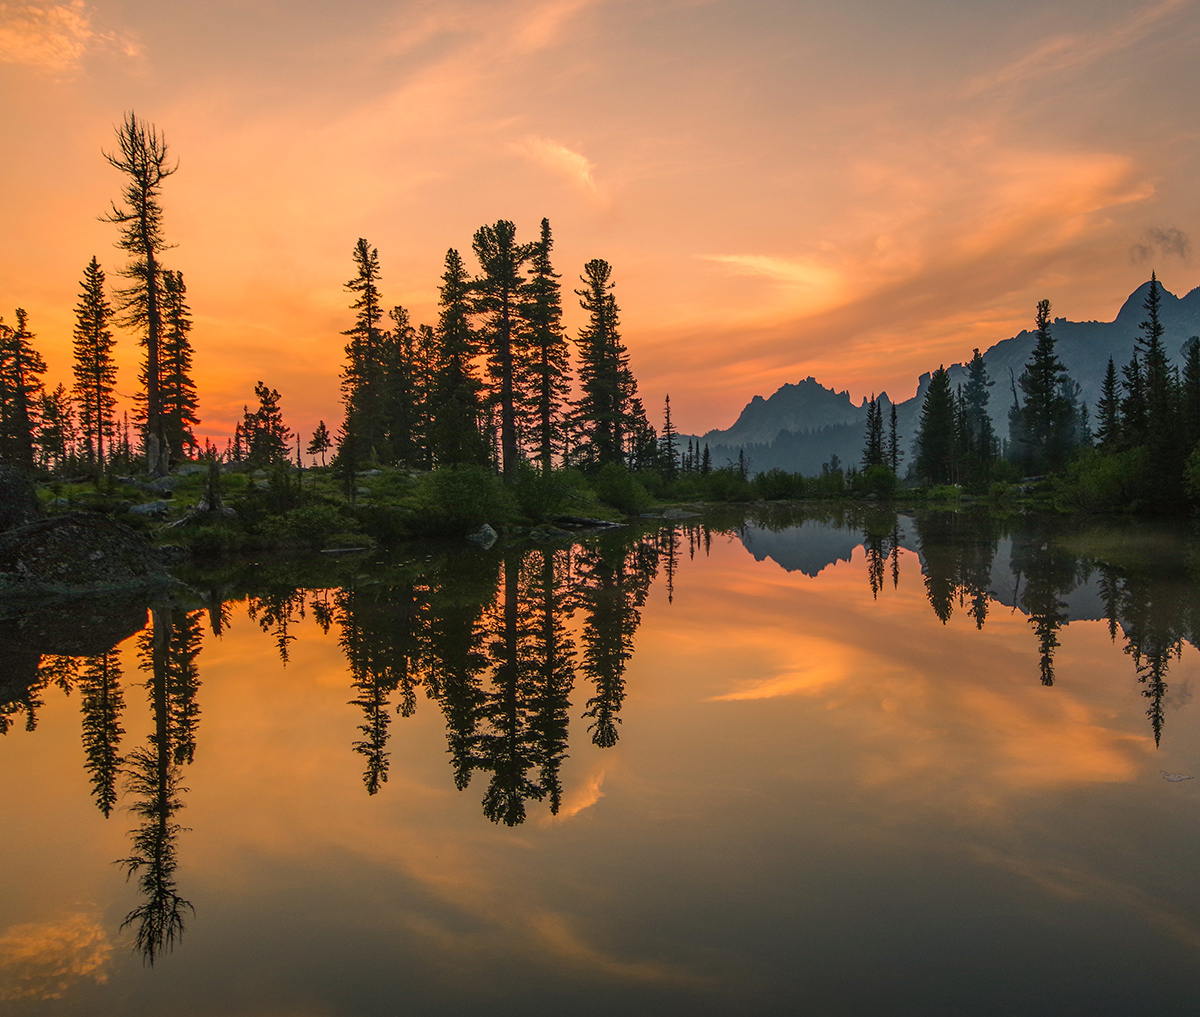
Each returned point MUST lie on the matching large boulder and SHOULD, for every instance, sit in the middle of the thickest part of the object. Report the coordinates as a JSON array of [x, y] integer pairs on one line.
[[18, 499], [76, 553]]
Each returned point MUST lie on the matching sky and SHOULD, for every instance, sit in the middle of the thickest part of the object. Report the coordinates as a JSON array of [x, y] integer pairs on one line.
[[856, 190]]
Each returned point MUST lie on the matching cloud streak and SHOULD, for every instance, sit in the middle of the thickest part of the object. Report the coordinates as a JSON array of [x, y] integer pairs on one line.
[[1068, 53], [55, 37]]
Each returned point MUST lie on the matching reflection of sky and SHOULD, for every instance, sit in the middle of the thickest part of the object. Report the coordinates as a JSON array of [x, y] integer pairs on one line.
[[816, 799], [857, 190]]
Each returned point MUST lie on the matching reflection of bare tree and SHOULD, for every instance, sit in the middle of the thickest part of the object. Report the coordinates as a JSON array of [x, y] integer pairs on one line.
[[167, 652]]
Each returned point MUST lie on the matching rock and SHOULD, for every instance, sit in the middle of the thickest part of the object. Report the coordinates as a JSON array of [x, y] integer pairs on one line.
[[81, 627], [150, 508], [586, 523], [190, 469], [485, 536], [79, 552], [18, 499], [60, 502], [677, 513], [165, 485], [368, 473]]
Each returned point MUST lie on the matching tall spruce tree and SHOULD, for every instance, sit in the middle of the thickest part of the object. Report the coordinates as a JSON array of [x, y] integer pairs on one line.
[[667, 441], [404, 383], [1108, 429], [935, 445], [454, 404], [548, 361], [1190, 393], [94, 368], [142, 156], [873, 448], [362, 377], [604, 411], [894, 455], [498, 297], [21, 368], [178, 390], [1047, 421], [981, 436]]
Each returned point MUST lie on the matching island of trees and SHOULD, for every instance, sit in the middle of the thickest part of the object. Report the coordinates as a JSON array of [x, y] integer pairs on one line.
[[492, 413]]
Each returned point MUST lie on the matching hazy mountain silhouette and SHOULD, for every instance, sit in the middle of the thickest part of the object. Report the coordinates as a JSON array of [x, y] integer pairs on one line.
[[802, 425]]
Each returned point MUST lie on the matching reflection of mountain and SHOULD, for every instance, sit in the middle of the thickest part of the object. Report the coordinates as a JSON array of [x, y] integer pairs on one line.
[[972, 560], [807, 547]]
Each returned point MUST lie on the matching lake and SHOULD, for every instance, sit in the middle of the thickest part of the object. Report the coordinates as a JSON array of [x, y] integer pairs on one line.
[[835, 762]]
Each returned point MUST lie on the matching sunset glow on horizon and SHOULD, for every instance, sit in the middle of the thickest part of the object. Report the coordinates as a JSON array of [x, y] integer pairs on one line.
[[855, 191]]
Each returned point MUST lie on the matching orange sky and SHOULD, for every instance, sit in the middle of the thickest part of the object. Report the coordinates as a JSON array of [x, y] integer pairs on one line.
[[855, 190]]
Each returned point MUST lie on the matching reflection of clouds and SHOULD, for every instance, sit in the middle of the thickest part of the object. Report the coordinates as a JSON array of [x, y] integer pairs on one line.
[[42, 961], [924, 705], [584, 798], [1073, 882]]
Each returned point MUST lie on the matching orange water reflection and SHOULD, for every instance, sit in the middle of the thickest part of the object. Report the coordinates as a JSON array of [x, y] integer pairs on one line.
[[758, 741]]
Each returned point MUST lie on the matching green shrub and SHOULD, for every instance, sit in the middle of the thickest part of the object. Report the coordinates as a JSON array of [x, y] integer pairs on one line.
[[617, 487], [307, 526], [879, 481], [540, 497], [1105, 482], [779, 485], [455, 501], [726, 485]]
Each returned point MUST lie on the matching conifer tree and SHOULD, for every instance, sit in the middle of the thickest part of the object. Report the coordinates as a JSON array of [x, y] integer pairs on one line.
[[362, 377], [56, 429], [873, 449], [404, 384], [21, 367], [548, 361], [498, 294], [1047, 418], [935, 438], [1108, 430], [605, 409], [94, 369], [454, 405], [1133, 403], [979, 434], [894, 455], [706, 461], [178, 390], [142, 157], [267, 437], [666, 444], [321, 442], [1190, 392]]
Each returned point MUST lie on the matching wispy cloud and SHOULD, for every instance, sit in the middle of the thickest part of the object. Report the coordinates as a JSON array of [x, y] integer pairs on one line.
[[572, 166], [55, 37], [1073, 51]]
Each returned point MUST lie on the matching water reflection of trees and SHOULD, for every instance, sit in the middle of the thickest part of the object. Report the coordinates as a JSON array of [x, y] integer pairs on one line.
[[1150, 612], [490, 640]]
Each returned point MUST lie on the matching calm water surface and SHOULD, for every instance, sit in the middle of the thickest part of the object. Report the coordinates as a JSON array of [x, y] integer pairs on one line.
[[775, 764]]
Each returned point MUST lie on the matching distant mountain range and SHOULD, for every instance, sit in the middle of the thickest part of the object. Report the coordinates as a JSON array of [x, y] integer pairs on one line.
[[802, 425]]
